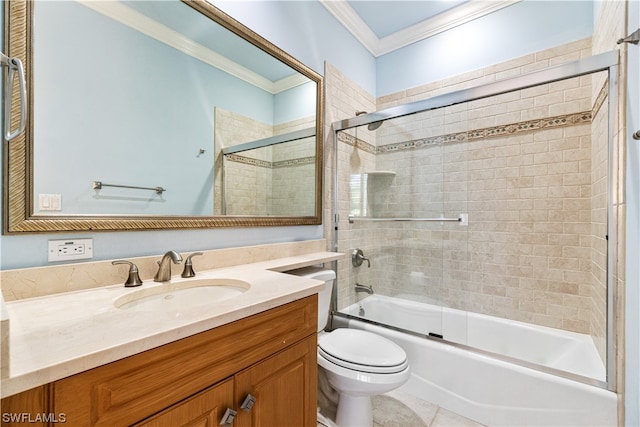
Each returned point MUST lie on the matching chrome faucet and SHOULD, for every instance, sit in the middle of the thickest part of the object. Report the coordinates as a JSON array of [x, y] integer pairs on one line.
[[364, 288], [164, 266]]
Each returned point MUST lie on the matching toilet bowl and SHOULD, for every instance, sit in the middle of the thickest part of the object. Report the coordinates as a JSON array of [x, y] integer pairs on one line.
[[358, 364]]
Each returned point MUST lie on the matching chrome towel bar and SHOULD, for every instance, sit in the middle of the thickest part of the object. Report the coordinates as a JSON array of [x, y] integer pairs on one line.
[[462, 218]]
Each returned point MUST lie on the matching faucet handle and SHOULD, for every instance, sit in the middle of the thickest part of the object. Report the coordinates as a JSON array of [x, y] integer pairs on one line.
[[188, 266], [357, 257], [134, 279]]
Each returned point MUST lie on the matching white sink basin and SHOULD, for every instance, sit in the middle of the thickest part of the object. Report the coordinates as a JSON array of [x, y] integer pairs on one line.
[[180, 296]]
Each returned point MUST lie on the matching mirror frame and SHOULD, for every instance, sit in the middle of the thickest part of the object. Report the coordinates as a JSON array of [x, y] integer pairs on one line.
[[18, 208]]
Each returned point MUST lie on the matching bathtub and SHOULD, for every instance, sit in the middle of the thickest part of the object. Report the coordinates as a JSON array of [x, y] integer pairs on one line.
[[489, 390]]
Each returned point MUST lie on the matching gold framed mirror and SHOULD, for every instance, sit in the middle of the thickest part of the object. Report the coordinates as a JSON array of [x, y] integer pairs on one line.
[[123, 180]]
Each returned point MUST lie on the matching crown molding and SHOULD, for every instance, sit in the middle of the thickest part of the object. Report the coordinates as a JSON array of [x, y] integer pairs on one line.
[[145, 25], [459, 15], [350, 19]]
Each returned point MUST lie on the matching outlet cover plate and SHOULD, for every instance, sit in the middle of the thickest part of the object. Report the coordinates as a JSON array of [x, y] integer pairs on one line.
[[70, 249]]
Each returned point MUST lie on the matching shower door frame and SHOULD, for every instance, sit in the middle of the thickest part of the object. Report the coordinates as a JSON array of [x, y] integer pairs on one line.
[[608, 62]]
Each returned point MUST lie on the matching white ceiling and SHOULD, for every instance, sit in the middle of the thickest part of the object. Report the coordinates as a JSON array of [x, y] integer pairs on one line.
[[383, 26]]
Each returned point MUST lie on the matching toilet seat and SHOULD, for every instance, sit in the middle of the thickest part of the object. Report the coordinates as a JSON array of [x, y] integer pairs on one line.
[[362, 351]]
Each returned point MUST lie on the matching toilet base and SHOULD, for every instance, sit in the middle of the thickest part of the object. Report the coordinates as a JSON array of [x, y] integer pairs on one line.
[[354, 411]]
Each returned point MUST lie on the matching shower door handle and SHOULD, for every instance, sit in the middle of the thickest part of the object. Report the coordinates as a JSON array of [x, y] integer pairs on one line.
[[14, 65]]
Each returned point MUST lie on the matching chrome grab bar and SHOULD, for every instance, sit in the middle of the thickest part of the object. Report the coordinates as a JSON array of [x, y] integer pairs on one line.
[[14, 65]]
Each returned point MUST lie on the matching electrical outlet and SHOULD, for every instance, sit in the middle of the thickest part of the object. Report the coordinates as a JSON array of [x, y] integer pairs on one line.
[[68, 250]]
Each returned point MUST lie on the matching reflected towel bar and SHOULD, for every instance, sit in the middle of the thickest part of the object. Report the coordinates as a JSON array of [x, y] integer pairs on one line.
[[97, 185]]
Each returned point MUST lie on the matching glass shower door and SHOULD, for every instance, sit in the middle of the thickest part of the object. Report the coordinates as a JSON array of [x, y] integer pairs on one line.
[[394, 193]]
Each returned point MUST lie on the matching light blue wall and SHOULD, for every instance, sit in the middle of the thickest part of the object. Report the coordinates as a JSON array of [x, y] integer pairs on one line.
[[306, 30], [517, 30], [295, 103]]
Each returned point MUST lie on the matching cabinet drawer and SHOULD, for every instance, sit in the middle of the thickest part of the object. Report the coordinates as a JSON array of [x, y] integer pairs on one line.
[[131, 389]]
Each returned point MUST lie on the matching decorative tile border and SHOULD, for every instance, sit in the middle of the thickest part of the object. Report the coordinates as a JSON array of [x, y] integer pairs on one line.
[[271, 165], [566, 120], [530, 126], [343, 136], [303, 161], [248, 161]]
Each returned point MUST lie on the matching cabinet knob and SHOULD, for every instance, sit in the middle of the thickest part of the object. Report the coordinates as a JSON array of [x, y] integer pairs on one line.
[[248, 402], [228, 417]]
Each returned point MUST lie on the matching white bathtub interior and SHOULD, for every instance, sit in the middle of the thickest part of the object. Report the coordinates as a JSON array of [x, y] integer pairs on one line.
[[554, 348]]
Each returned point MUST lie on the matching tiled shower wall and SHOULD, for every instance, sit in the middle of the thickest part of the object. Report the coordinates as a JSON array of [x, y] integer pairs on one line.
[[529, 167]]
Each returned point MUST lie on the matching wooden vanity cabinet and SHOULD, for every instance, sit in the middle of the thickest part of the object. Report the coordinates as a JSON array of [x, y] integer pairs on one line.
[[271, 355]]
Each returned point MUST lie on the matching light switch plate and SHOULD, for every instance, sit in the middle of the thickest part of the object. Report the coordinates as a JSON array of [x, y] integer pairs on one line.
[[49, 202]]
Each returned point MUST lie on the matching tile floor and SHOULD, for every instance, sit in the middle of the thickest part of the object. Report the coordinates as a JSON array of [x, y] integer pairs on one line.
[[399, 409]]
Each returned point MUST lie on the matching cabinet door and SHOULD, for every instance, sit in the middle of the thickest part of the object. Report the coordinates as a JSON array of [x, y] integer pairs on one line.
[[284, 386], [204, 409], [30, 408]]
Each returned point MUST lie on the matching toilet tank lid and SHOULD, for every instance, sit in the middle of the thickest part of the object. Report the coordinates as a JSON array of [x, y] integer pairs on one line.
[[314, 273]]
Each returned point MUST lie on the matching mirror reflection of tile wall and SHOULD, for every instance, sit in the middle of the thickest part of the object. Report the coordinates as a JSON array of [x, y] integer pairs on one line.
[[277, 180]]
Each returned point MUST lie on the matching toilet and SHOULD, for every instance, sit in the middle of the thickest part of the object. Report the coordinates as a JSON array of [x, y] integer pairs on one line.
[[358, 364]]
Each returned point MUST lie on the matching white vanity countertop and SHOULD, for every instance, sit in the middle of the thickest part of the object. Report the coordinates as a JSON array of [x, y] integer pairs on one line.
[[56, 336]]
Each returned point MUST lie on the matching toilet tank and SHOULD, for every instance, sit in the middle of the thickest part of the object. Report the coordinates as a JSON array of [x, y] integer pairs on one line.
[[324, 296]]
